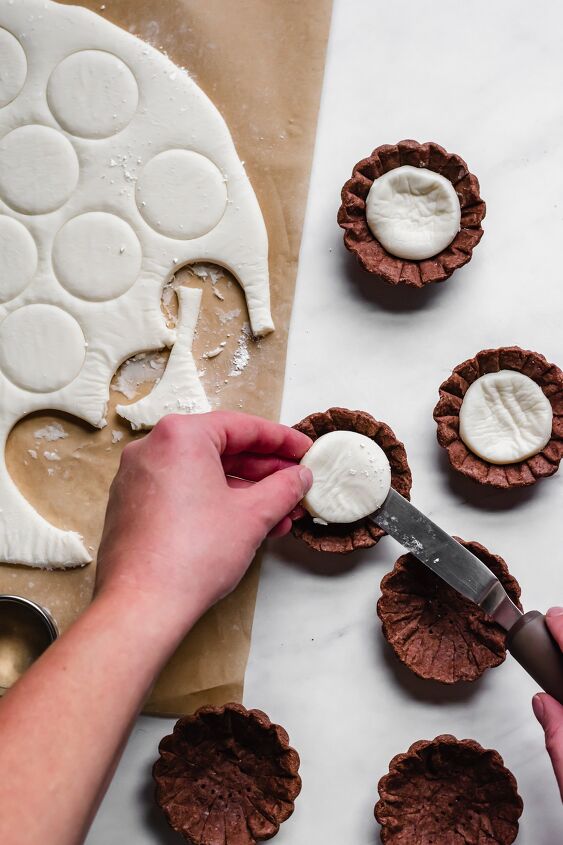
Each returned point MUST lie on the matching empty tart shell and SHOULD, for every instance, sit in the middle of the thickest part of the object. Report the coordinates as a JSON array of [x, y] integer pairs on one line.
[[434, 630], [361, 241], [448, 792], [446, 413], [226, 776], [346, 537]]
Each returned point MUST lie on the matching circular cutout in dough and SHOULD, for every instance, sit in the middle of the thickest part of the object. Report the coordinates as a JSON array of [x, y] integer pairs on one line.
[[42, 348], [13, 67], [97, 256], [181, 194], [92, 94], [38, 169], [413, 212], [351, 477], [505, 417], [18, 258]]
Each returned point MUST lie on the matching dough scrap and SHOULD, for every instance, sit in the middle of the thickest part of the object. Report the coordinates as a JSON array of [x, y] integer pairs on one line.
[[351, 477], [179, 391], [505, 417], [413, 212], [98, 110]]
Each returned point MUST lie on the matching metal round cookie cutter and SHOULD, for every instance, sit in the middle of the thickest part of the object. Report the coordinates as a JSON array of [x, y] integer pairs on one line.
[[26, 630]]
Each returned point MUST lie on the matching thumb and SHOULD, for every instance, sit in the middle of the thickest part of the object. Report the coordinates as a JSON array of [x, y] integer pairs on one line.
[[554, 619], [549, 714], [277, 495]]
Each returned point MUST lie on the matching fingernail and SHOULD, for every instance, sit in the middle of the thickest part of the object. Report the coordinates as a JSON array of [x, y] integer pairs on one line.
[[537, 707], [554, 611], [306, 477]]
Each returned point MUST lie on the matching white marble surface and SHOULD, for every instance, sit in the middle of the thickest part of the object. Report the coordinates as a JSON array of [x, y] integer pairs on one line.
[[485, 80]]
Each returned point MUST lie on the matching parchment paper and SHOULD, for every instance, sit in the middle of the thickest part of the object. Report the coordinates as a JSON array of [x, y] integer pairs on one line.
[[261, 62]]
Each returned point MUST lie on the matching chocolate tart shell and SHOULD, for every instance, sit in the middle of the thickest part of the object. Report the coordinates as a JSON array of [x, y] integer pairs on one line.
[[346, 537], [448, 792], [436, 632], [226, 776], [446, 413], [361, 241]]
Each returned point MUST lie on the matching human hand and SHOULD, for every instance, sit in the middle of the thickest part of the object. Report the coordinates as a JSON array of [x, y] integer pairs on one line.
[[177, 529], [548, 711]]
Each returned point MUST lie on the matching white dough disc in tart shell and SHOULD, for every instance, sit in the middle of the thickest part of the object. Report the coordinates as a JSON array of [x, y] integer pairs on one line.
[[505, 417], [351, 477], [413, 212]]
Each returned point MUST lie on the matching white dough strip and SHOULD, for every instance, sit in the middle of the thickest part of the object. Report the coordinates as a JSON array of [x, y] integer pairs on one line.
[[179, 391]]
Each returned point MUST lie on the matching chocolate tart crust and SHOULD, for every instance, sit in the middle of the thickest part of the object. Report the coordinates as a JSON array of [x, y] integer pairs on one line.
[[436, 632], [448, 791], [360, 240], [226, 775], [446, 413], [346, 537]]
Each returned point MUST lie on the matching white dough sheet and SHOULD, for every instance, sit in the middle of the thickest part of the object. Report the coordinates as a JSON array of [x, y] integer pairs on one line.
[[115, 170]]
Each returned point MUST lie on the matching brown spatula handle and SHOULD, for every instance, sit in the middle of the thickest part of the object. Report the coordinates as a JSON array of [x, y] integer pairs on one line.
[[530, 642]]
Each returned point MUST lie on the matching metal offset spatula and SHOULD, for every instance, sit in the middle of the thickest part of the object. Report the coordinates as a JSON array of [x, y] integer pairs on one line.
[[528, 640]]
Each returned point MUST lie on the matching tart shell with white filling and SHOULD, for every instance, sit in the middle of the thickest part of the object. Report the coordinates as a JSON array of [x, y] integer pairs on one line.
[[346, 537], [360, 240], [446, 413]]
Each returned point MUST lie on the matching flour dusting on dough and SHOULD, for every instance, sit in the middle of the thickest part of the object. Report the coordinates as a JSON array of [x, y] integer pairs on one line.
[[227, 316], [242, 356], [51, 432], [168, 297], [51, 456], [208, 271], [141, 369], [127, 165]]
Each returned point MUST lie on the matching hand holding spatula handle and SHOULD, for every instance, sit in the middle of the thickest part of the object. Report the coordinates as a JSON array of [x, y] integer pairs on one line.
[[531, 644]]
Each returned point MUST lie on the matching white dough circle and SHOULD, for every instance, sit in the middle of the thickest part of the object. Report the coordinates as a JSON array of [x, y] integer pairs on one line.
[[182, 194], [351, 477], [413, 212], [97, 256], [38, 169], [505, 417], [92, 94], [42, 348], [18, 258], [13, 67]]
